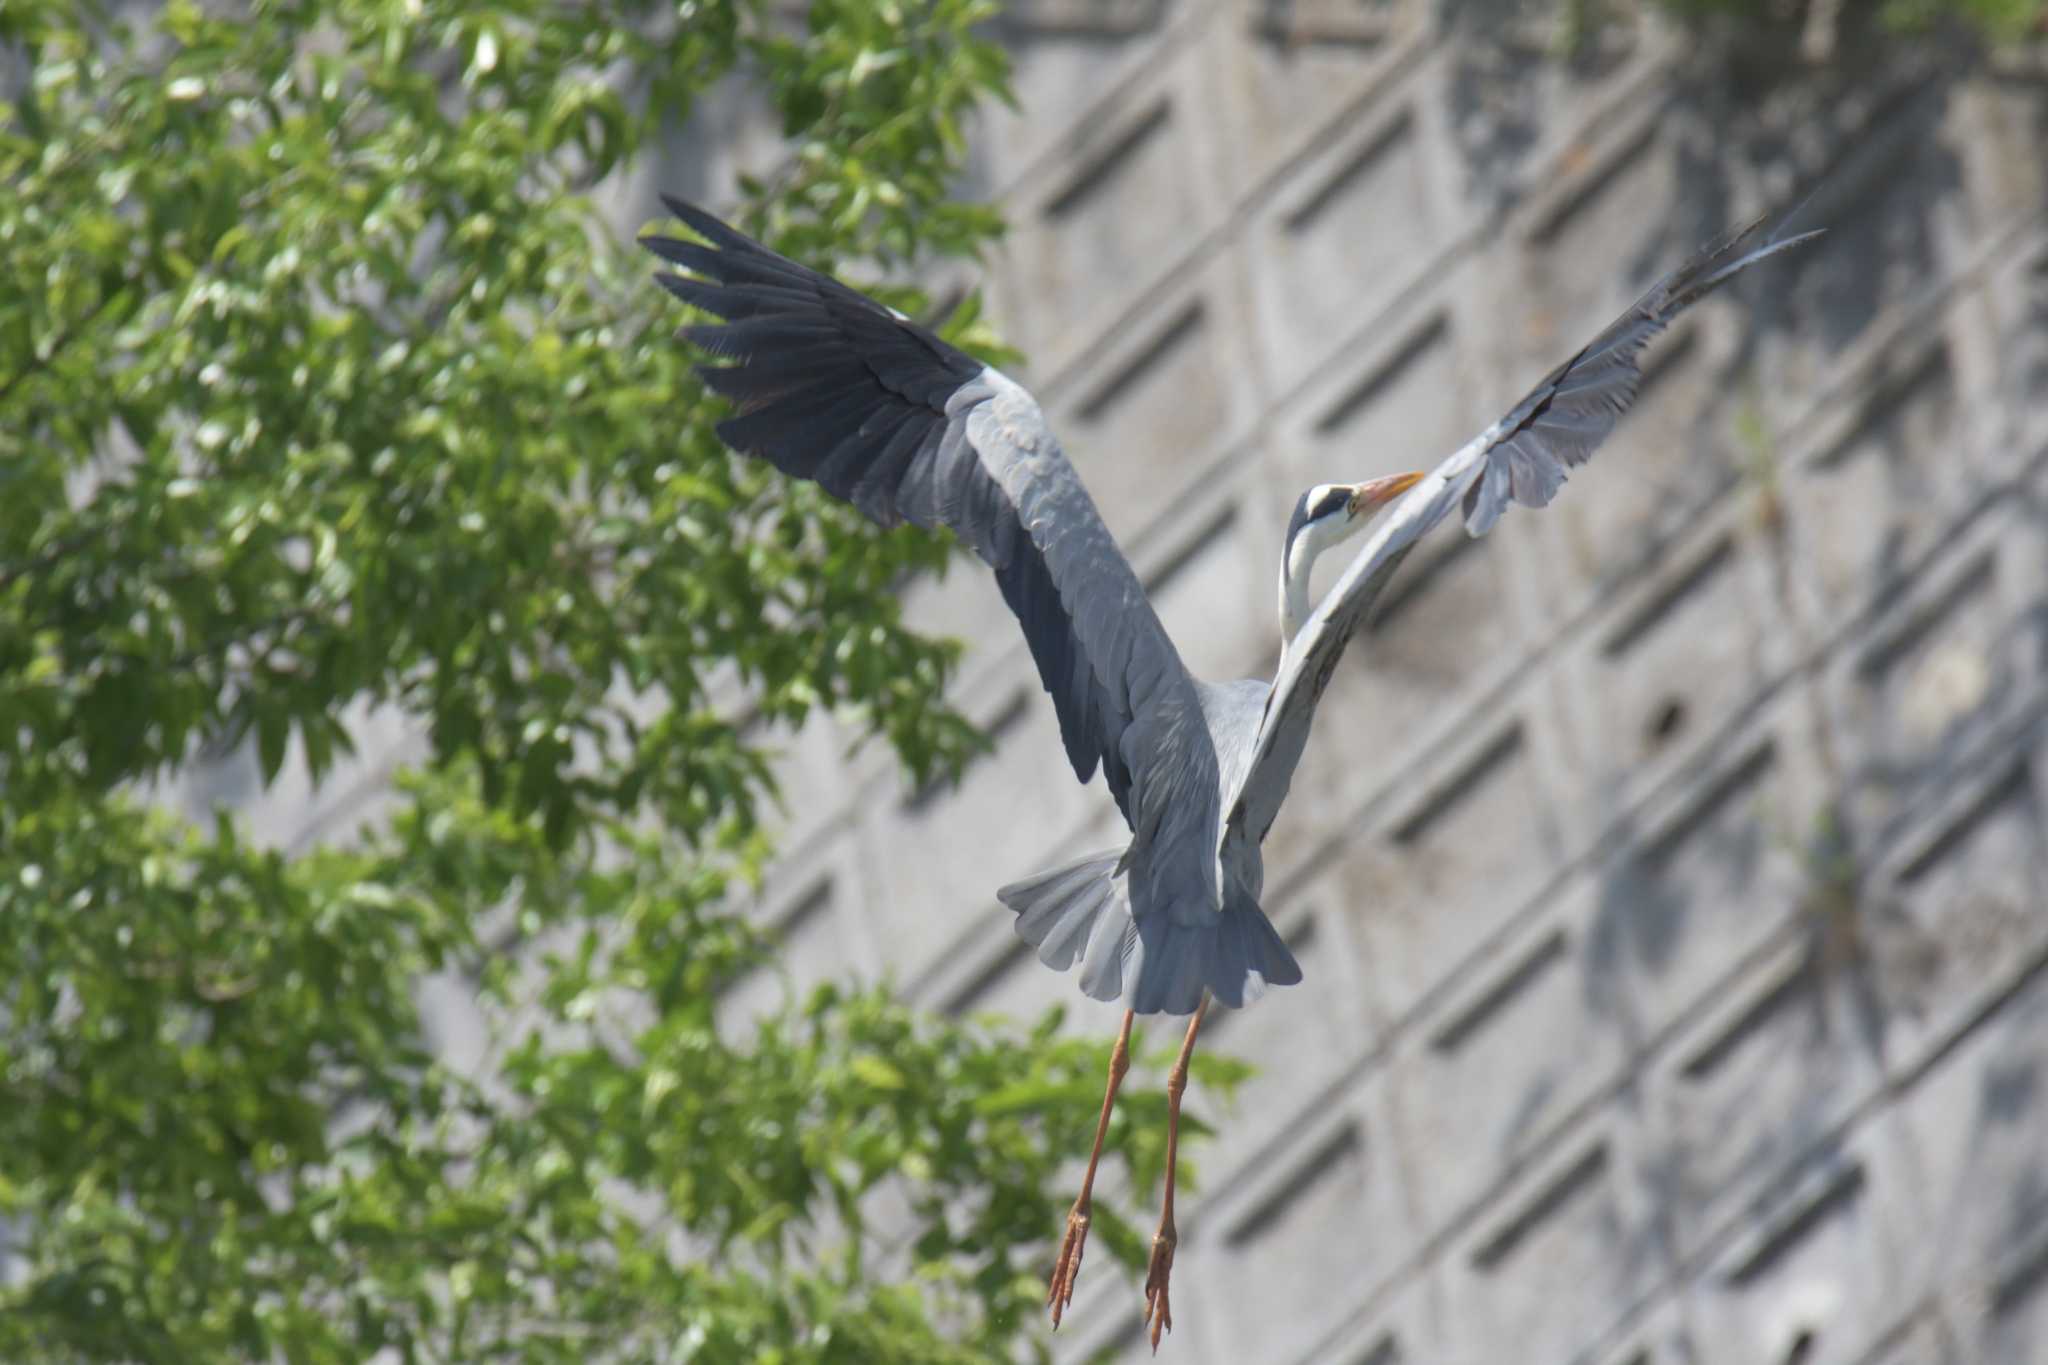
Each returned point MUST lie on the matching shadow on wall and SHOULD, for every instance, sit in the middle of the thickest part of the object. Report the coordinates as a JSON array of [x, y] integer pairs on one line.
[[1741, 100]]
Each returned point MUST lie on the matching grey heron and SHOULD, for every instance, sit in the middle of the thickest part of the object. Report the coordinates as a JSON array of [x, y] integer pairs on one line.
[[833, 387]]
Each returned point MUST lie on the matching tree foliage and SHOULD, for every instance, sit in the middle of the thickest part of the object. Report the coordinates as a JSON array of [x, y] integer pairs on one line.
[[325, 391], [1995, 20]]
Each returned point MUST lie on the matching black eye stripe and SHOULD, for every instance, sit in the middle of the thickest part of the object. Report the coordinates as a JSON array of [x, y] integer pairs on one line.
[[1306, 512]]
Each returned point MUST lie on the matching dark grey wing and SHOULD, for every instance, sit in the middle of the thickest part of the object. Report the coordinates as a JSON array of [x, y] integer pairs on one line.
[[1521, 458], [833, 387], [1566, 417]]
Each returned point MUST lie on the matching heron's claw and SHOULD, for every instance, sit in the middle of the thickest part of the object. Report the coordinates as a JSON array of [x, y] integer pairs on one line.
[[1158, 1311], [1068, 1268]]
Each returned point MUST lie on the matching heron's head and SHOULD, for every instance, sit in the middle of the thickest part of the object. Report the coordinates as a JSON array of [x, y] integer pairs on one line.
[[1326, 515]]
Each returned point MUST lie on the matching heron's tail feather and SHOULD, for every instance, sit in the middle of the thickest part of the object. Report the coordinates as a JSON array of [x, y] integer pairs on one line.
[[1081, 911], [1236, 956], [1057, 909]]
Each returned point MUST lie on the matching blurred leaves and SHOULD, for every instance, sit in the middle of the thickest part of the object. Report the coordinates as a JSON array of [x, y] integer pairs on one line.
[[1996, 20], [327, 394]]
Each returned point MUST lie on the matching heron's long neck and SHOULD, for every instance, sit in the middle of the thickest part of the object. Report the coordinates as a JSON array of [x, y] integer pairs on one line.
[[1295, 567]]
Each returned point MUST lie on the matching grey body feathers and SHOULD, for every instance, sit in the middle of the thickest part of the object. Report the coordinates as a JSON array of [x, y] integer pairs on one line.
[[1160, 963]]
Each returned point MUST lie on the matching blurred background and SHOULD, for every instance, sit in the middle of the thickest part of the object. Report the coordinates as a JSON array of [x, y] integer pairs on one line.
[[1668, 870]]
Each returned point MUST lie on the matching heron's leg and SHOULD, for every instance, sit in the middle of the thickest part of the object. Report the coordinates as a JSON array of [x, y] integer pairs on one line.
[[1158, 1314], [1068, 1267]]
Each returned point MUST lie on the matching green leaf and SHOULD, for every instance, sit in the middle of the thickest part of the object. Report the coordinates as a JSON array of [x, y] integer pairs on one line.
[[877, 1073], [273, 730]]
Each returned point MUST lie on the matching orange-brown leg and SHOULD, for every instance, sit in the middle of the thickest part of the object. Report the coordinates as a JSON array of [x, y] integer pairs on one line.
[[1068, 1267], [1158, 1313]]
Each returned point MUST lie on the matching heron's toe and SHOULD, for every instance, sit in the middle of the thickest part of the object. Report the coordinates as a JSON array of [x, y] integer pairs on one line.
[[1158, 1309], [1067, 1268]]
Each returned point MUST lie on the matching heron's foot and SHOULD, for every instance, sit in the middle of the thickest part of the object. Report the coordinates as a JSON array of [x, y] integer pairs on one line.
[[1158, 1312], [1068, 1267]]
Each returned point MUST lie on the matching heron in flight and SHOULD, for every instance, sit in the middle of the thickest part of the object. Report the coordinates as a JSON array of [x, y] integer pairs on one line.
[[834, 387]]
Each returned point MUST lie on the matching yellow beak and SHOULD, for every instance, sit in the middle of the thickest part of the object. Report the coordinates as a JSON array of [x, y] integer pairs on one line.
[[1380, 492]]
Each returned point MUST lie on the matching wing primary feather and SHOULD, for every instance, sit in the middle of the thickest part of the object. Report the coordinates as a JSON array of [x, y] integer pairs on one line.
[[793, 433], [730, 302], [1563, 420], [753, 383], [774, 332], [757, 269]]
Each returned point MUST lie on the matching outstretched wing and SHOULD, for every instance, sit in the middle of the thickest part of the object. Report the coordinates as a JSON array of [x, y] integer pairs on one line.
[[833, 387], [1522, 458], [1564, 419]]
